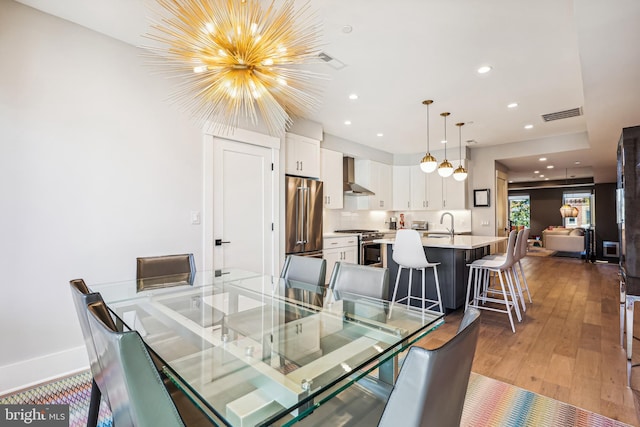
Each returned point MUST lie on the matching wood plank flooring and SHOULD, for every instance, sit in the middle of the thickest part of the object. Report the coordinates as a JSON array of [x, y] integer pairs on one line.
[[568, 346]]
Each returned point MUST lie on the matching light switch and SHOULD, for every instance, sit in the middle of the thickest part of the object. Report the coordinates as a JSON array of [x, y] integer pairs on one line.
[[195, 217]]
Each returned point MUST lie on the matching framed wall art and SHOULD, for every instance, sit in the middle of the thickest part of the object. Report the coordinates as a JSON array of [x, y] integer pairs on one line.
[[481, 198]]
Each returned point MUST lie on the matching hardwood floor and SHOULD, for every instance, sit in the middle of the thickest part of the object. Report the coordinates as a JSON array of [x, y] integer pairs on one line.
[[567, 346]]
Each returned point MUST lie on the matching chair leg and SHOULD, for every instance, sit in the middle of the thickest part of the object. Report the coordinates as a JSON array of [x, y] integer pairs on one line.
[[435, 275], [518, 286], [94, 405], [512, 292], [395, 291], [506, 301], [466, 300], [409, 288], [524, 280], [424, 291]]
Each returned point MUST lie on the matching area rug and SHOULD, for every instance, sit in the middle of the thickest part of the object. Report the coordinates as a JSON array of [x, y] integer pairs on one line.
[[536, 251], [489, 403]]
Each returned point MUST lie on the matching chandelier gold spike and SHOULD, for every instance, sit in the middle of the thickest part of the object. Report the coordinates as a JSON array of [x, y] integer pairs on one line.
[[235, 60]]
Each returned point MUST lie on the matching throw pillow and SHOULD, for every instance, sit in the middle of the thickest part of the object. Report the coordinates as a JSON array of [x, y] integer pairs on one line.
[[577, 232]]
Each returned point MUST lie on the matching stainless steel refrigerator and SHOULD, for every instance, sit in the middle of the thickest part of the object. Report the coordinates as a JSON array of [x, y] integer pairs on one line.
[[303, 232]]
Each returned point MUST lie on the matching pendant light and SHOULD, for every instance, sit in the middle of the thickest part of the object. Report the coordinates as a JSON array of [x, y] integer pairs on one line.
[[566, 210], [428, 163], [460, 174], [446, 168]]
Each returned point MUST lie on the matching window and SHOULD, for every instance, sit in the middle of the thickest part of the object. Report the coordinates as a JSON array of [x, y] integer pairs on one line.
[[584, 202], [520, 210]]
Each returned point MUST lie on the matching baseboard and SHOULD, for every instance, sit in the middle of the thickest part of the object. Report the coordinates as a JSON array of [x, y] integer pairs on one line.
[[29, 373]]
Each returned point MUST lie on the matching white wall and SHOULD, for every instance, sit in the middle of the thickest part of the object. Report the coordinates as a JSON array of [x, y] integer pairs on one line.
[[96, 169]]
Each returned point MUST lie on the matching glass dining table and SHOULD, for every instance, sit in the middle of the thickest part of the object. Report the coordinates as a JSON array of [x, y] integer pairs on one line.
[[251, 350]]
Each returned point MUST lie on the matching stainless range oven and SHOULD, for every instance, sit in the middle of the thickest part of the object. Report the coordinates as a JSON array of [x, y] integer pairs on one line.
[[369, 253]]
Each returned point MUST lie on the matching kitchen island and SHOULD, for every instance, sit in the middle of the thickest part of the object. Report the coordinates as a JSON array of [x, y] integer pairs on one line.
[[453, 254]]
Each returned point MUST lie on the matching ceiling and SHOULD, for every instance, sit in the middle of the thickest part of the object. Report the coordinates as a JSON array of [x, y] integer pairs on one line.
[[546, 55]]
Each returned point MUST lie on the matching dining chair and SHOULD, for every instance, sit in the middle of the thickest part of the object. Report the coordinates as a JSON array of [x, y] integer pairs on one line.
[[304, 269], [82, 297], [137, 394], [360, 279], [479, 291], [159, 270], [430, 389], [408, 253]]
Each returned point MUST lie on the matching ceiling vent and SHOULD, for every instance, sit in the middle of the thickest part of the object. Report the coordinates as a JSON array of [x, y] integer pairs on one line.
[[574, 112], [333, 62]]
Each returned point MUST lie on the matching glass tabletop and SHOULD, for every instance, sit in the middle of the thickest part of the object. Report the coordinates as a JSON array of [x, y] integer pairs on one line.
[[260, 350]]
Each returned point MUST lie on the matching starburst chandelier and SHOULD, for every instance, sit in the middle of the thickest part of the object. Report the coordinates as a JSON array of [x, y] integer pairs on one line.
[[237, 60]]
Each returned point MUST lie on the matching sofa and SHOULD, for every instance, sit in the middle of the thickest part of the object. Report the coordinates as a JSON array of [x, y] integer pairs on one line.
[[563, 239]]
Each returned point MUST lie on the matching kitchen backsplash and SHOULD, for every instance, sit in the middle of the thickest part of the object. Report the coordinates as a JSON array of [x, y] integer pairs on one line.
[[377, 220]]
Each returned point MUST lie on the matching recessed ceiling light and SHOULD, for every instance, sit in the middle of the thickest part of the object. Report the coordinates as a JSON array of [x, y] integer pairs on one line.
[[550, 167], [510, 181], [484, 69], [347, 122], [536, 171], [380, 134], [543, 159], [576, 163], [512, 105], [528, 126], [353, 96], [541, 176], [347, 29], [546, 179]]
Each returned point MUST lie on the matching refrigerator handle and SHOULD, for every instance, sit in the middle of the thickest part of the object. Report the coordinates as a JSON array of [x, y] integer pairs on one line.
[[308, 213], [299, 216]]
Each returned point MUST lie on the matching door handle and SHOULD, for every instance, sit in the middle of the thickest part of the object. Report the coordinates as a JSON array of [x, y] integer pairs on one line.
[[219, 242]]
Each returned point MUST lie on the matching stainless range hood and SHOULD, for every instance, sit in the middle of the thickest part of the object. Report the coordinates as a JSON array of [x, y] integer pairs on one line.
[[350, 187]]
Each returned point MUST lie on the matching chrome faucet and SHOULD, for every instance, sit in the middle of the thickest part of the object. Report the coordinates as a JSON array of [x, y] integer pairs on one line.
[[451, 231]]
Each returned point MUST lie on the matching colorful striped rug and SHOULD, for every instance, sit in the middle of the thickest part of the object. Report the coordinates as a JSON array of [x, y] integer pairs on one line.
[[489, 403]]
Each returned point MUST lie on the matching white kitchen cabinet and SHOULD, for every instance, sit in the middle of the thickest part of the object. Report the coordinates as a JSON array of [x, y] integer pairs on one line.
[[377, 177], [454, 193], [302, 337], [401, 188], [342, 248], [331, 176], [434, 191], [418, 189], [302, 156]]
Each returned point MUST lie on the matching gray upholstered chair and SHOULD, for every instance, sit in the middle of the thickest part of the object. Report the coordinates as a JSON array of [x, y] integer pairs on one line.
[[304, 269], [160, 270], [430, 389], [137, 394], [438, 398], [360, 279], [81, 299]]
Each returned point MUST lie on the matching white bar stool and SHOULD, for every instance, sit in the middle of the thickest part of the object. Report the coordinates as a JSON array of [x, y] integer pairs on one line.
[[483, 269], [408, 253]]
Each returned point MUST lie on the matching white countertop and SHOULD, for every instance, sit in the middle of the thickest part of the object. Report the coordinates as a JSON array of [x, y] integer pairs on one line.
[[458, 242]]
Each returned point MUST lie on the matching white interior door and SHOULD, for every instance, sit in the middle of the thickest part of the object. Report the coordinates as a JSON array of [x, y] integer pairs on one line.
[[243, 206], [502, 209]]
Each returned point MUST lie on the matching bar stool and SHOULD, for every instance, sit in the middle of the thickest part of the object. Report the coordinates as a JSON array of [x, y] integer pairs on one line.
[[519, 252], [482, 270], [408, 253]]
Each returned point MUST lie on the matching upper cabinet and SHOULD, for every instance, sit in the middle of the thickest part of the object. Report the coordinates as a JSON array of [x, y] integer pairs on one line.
[[376, 177], [302, 156], [417, 191], [454, 193], [331, 175], [401, 188]]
